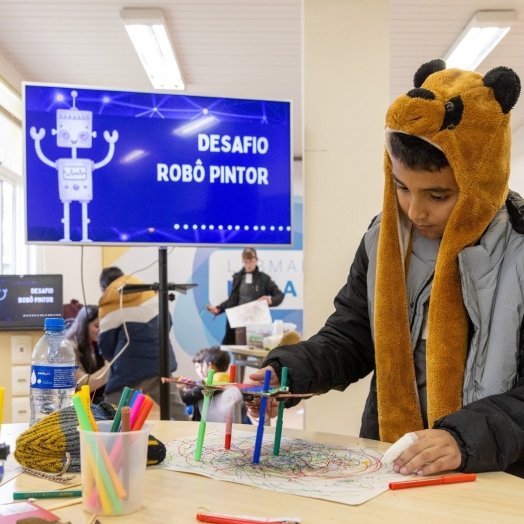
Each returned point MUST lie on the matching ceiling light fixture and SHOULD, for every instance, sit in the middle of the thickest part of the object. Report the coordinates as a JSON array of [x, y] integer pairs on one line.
[[195, 126], [483, 32], [148, 32]]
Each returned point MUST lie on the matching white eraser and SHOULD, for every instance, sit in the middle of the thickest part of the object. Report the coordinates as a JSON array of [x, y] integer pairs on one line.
[[399, 447]]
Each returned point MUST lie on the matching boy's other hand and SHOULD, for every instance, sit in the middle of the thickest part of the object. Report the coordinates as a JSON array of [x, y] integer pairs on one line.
[[435, 450], [213, 309], [272, 406]]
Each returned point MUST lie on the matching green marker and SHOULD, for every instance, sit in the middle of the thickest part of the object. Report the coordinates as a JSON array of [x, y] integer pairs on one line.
[[278, 430], [203, 418], [21, 495], [123, 402]]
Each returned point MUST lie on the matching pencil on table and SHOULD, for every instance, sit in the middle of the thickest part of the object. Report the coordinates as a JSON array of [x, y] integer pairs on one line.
[[64, 504]]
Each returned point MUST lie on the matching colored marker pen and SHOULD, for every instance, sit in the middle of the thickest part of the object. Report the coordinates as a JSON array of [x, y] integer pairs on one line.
[[416, 483], [22, 495]]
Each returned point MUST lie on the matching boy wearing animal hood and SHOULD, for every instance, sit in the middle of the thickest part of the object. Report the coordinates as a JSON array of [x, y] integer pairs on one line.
[[434, 301]]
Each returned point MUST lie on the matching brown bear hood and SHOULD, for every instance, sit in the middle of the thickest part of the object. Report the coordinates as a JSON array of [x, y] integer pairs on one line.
[[467, 116]]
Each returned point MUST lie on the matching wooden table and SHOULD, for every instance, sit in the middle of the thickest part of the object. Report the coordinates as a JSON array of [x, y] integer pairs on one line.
[[177, 497]]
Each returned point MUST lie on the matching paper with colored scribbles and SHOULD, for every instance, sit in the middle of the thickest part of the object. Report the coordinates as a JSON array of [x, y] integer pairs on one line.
[[308, 469], [256, 312]]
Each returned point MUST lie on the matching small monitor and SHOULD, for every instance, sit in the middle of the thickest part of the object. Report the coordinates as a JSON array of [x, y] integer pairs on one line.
[[26, 300]]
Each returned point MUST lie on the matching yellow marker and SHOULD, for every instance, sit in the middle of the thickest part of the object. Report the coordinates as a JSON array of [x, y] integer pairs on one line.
[[86, 401]]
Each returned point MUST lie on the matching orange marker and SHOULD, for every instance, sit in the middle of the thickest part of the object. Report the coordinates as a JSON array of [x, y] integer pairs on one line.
[[142, 414]]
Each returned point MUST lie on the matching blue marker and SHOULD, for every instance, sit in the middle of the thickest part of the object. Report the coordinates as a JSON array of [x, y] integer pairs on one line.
[[260, 429], [133, 398]]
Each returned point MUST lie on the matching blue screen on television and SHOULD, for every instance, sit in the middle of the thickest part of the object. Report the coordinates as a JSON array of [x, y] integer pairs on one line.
[[118, 167]]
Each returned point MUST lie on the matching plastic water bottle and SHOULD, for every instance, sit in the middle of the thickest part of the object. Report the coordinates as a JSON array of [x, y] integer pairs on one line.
[[52, 372]]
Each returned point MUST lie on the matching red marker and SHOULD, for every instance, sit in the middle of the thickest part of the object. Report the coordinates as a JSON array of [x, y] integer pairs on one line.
[[217, 518], [229, 415], [415, 483]]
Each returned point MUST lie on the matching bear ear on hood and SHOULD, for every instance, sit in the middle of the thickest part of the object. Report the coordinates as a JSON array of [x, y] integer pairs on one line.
[[506, 86], [428, 69]]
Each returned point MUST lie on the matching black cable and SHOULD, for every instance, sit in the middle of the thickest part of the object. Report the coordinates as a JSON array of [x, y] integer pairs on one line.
[[82, 274]]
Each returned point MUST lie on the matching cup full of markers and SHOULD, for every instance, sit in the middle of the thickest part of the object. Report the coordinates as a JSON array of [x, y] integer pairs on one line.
[[113, 456], [113, 467]]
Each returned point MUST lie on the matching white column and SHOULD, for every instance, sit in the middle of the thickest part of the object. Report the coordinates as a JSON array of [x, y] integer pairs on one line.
[[346, 95]]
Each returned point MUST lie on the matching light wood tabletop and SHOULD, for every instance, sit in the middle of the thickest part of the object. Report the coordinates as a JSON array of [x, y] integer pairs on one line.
[[177, 497]]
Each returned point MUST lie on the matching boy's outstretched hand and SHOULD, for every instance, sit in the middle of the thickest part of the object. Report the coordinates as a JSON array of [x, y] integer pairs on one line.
[[435, 450], [254, 406]]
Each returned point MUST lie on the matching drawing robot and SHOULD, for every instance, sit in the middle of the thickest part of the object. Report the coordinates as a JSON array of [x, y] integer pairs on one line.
[[74, 129]]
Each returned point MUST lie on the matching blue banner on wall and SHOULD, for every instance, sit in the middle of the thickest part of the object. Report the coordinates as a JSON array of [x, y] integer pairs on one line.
[[116, 167]]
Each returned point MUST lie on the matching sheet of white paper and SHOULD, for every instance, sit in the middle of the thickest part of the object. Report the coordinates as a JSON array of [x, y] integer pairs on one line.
[[256, 312], [308, 469]]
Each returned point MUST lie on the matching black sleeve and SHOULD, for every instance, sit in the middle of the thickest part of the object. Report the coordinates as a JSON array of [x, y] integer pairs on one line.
[[490, 431], [274, 292], [342, 351], [234, 297], [192, 396]]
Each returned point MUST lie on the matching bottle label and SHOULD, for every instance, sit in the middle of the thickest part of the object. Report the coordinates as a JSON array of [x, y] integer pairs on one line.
[[53, 377]]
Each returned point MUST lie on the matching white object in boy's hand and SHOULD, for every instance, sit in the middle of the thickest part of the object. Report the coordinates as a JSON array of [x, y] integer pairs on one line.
[[399, 447]]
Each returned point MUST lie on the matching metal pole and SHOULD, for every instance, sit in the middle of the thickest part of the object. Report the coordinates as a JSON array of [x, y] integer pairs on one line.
[[163, 331]]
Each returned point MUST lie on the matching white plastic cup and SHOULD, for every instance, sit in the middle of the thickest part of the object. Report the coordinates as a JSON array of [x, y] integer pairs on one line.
[[278, 327], [113, 467]]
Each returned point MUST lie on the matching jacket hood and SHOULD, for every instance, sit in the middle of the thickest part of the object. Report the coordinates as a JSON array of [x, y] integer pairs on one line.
[[467, 116], [110, 300]]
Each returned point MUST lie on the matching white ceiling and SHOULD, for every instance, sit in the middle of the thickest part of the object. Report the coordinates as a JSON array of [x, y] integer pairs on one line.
[[234, 48]]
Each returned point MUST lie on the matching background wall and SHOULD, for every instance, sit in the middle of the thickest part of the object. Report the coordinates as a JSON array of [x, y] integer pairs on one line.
[[346, 95], [80, 267]]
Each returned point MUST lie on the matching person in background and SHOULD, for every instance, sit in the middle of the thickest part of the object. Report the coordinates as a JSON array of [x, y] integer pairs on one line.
[[134, 361], [249, 284], [92, 369], [205, 359]]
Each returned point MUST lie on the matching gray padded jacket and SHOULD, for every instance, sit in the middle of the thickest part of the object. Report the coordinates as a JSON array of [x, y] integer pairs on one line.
[[490, 427]]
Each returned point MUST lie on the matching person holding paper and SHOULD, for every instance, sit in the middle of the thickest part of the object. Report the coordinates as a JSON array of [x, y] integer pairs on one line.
[[434, 302], [248, 284]]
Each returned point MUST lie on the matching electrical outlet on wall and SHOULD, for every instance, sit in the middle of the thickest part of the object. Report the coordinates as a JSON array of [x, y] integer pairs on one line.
[[21, 349]]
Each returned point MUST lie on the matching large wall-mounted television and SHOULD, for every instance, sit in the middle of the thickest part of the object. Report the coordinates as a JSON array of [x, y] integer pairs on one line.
[[119, 167], [27, 300]]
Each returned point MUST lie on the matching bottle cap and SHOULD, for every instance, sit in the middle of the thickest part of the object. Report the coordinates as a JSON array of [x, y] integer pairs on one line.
[[54, 324]]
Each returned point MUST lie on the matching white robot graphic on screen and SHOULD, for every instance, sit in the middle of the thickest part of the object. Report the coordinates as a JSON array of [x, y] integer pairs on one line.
[[74, 129]]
